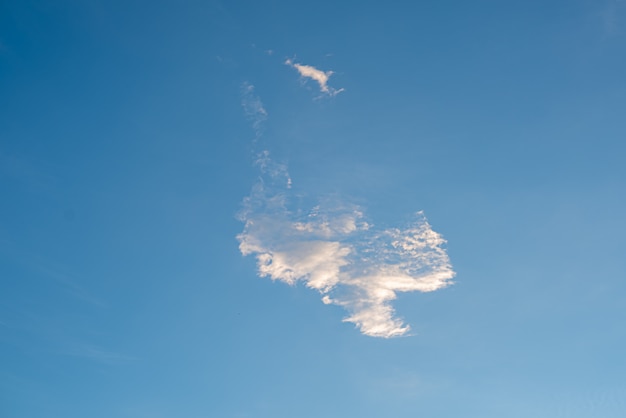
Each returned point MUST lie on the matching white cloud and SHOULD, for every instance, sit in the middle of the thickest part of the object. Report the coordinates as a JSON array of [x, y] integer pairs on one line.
[[333, 250], [331, 247], [318, 75]]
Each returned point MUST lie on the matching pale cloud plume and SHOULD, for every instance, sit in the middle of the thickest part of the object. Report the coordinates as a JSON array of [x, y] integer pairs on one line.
[[321, 77], [334, 250]]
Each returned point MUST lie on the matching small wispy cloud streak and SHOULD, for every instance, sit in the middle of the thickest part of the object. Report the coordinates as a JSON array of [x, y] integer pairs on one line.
[[333, 249], [253, 108], [98, 354], [612, 15], [321, 77]]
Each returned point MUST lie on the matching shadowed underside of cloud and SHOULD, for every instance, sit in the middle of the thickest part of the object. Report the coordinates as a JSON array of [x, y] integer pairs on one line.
[[313, 73], [332, 248]]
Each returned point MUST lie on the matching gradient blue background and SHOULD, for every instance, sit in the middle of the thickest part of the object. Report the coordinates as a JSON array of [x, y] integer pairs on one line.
[[125, 153]]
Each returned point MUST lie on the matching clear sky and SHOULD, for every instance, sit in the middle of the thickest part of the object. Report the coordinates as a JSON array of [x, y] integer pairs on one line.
[[312, 209]]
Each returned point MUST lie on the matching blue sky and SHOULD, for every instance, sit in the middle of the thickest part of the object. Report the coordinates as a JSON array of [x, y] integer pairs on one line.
[[442, 183]]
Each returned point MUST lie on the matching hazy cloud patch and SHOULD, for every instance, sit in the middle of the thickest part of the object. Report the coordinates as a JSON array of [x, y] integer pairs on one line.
[[612, 15], [96, 353], [253, 108]]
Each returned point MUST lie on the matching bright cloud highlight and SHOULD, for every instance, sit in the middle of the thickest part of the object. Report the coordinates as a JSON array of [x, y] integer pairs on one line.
[[313, 73], [332, 248]]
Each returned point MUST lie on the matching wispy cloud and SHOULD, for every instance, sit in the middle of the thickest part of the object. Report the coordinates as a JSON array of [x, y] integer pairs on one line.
[[72, 285], [313, 73], [253, 108], [333, 249], [45, 268], [28, 172], [98, 354], [611, 16]]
